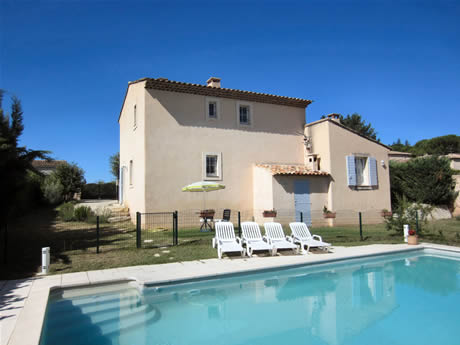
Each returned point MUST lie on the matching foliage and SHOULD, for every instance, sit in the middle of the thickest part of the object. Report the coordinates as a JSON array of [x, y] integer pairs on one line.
[[71, 177], [82, 213], [355, 122], [399, 146], [115, 165], [15, 161], [427, 180], [437, 146], [99, 190], [406, 212], [52, 189], [66, 212]]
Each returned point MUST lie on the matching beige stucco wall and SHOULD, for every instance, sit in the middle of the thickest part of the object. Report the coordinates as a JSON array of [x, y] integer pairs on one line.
[[333, 143], [132, 147], [345, 143], [177, 135]]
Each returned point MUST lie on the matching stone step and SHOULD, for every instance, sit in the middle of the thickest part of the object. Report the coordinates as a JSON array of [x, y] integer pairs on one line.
[[119, 219]]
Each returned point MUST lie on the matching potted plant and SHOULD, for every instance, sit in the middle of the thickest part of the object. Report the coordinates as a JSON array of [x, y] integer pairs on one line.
[[269, 213], [412, 238], [327, 213], [385, 213]]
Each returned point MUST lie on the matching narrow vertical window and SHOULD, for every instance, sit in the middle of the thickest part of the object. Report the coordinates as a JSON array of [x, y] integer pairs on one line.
[[212, 111], [130, 172], [135, 116], [211, 166], [245, 114]]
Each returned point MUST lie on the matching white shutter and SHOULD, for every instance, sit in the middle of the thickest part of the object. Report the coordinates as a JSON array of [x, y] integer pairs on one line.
[[351, 170], [373, 178]]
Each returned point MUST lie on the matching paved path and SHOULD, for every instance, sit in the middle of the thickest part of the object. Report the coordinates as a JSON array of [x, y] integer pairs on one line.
[[23, 302], [96, 203]]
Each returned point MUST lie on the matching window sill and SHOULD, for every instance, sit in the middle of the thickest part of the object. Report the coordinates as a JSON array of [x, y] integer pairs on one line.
[[217, 178]]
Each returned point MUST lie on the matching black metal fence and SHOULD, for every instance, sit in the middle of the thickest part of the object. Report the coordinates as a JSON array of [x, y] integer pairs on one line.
[[156, 229]]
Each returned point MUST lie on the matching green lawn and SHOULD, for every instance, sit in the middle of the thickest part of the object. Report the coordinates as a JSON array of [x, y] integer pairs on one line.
[[73, 244]]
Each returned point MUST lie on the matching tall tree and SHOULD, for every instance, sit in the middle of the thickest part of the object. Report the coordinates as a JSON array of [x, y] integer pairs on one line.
[[15, 161], [355, 122], [399, 146], [114, 161], [71, 177]]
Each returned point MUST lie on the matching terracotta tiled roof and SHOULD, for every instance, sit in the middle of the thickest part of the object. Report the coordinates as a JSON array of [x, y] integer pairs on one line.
[[198, 89], [42, 164], [288, 169]]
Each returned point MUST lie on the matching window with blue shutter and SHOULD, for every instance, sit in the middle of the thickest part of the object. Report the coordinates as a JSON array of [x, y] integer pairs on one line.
[[373, 178], [351, 170]]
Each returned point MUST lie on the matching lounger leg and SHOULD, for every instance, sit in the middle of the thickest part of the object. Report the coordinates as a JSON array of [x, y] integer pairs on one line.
[[249, 250], [219, 252]]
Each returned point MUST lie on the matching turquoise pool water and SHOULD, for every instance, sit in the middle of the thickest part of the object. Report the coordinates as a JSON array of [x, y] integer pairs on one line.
[[411, 298]]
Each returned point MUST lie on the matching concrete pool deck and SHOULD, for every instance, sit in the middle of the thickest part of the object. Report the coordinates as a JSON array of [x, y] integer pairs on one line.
[[23, 302]]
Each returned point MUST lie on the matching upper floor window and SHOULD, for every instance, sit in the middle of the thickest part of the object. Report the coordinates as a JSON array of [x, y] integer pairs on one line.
[[244, 114], [212, 166], [212, 109], [362, 171], [135, 116]]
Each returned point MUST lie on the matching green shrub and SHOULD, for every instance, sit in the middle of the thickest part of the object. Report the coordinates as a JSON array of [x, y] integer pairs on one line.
[[66, 212], [406, 213], [53, 191], [83, 213], [427, 180], [99, 190]]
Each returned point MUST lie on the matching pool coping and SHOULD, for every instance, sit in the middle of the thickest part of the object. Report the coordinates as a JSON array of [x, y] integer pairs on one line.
[[30, 307]]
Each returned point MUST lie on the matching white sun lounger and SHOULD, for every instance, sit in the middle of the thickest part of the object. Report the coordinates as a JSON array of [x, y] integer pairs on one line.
[[275, 236], [252, 238], [302, 236], [225, 239]]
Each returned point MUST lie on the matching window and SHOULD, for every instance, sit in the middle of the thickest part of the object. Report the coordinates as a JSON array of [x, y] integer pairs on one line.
[[212, 108], [130, 172], [362, 171], [245, 115], [135, 116], [212, 166]]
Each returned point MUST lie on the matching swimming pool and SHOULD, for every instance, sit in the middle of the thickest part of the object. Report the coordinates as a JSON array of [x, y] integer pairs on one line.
[[410, 298]]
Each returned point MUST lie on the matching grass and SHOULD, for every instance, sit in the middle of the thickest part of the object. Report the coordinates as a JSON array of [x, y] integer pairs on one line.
[[73, 244]]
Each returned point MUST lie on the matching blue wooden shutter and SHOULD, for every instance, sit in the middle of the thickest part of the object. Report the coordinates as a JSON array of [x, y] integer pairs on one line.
[[351, 170], [373, 178]]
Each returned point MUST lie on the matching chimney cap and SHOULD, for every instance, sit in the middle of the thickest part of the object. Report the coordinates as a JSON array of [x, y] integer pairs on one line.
[[213, 82], [333, 116], [212, 79]]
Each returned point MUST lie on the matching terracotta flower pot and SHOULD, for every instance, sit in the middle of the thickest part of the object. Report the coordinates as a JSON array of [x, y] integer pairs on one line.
[[412, 240]]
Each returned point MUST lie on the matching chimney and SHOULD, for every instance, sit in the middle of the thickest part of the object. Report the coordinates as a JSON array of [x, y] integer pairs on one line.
[[334, 117], [213, 82]]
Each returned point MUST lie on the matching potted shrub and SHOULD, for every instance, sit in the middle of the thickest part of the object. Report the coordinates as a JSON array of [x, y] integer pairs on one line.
[[327, 213], [269, 213], [385, 213], [412, 238]]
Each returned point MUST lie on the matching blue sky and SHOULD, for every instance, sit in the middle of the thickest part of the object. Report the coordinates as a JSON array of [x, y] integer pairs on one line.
[[395, 63]]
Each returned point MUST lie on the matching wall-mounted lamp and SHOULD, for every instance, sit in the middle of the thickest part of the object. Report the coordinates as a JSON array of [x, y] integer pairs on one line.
[[382, 163]]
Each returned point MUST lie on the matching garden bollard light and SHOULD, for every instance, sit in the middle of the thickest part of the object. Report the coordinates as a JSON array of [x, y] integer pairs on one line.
[[406, 232], [45, 260]]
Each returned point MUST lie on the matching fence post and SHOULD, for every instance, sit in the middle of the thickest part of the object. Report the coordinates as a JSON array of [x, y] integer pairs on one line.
[[301, 217], [416, 221], [138, 229], [175, 228], [97, 234], [239, 224], [360, 226]]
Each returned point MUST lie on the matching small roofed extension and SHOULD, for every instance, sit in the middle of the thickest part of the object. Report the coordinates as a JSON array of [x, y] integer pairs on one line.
[[174, 133]]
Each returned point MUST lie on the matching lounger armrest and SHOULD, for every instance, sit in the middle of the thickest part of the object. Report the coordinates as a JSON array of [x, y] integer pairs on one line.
[[318, 237]]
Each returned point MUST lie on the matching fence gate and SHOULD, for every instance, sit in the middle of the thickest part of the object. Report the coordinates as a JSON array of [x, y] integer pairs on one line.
[[157, 229]]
